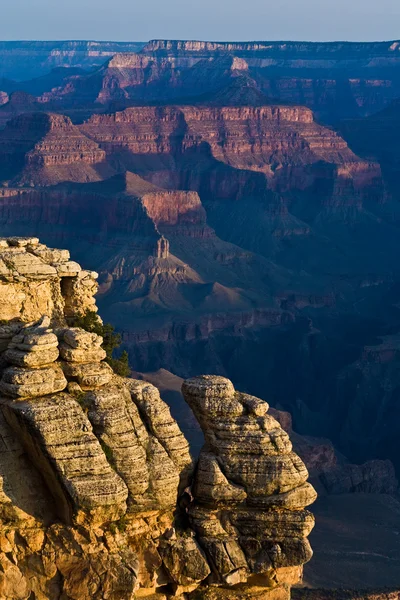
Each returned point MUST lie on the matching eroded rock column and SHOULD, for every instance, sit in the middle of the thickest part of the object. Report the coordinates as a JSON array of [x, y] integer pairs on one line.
[[250, 490]]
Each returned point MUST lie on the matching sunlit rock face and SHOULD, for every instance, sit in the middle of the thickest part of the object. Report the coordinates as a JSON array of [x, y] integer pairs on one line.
[[98, 497], [250, 489]]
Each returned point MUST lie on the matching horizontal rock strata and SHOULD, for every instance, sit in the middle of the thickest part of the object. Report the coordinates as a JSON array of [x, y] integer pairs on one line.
[[250, 489], [108, 506]]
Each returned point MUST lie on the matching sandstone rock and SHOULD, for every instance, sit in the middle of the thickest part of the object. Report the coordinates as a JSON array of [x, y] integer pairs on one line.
[[50, 255], [59, 439], [211, 485], [21, 242], [80, 346], [34, 346], [82, 355], [27, 264], [93, 480], [25, 383], [250, 488], [157, 416], [79, 338], [79, 294], [110, 413], [90, 375], [32, 359], [184, 560], [67, 268]]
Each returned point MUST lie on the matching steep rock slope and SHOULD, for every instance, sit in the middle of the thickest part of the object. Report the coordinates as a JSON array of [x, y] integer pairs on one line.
[[301, 245], [96, 513], [17, 103], [377, 137], [282, 144], [266, 175], [129, 78], [44, 149], [336, 80], [163, 271]]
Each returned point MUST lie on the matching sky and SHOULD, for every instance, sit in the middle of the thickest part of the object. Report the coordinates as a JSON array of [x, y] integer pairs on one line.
[[141, 20]]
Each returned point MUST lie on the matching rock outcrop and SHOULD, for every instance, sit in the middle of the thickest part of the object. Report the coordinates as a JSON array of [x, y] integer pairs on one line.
[[97, 492], [249, 490], [45, 149]]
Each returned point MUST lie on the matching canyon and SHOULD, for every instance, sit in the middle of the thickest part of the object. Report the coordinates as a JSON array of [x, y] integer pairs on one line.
[[240, 204], [335, 80]]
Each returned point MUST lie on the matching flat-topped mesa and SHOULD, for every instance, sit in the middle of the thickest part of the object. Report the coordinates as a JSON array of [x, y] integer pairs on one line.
[[250, 488], [342, 49], [29, 60], [128, 60]]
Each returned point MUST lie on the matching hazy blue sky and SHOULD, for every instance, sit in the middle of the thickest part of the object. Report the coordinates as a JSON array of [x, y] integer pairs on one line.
[[200, 19]]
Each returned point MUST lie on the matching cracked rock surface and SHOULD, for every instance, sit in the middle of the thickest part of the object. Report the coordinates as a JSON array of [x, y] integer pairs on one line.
[[99, 496]]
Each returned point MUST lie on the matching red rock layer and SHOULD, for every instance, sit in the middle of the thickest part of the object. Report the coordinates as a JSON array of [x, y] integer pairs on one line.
[[44, 149], [275, 147]]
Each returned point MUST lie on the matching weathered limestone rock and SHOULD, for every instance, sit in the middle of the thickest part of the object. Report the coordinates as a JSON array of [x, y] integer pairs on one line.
[[59, 439], [157, 416], [97, 495], [185, 561], [79, 293], [78, 338], [250, 489], [49, 255], [82, 355], [32, 352], [36, 280], [27, 264], [88, 376], [79, 346], [67, 269], [24, 383], [110, 415]]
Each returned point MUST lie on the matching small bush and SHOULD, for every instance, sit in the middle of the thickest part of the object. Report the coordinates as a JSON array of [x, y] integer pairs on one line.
[[81, 399], [119, 525], [111, 341]]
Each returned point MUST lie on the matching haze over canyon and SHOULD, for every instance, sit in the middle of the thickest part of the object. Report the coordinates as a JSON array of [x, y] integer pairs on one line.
[[240, 203]]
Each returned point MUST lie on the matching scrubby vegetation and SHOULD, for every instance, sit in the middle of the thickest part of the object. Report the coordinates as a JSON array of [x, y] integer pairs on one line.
[[112, 341]]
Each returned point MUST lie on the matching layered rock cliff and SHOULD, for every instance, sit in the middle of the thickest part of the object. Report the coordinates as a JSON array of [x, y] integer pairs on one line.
[[98, 494], [276, 147], [336, 80], [44, 149]]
